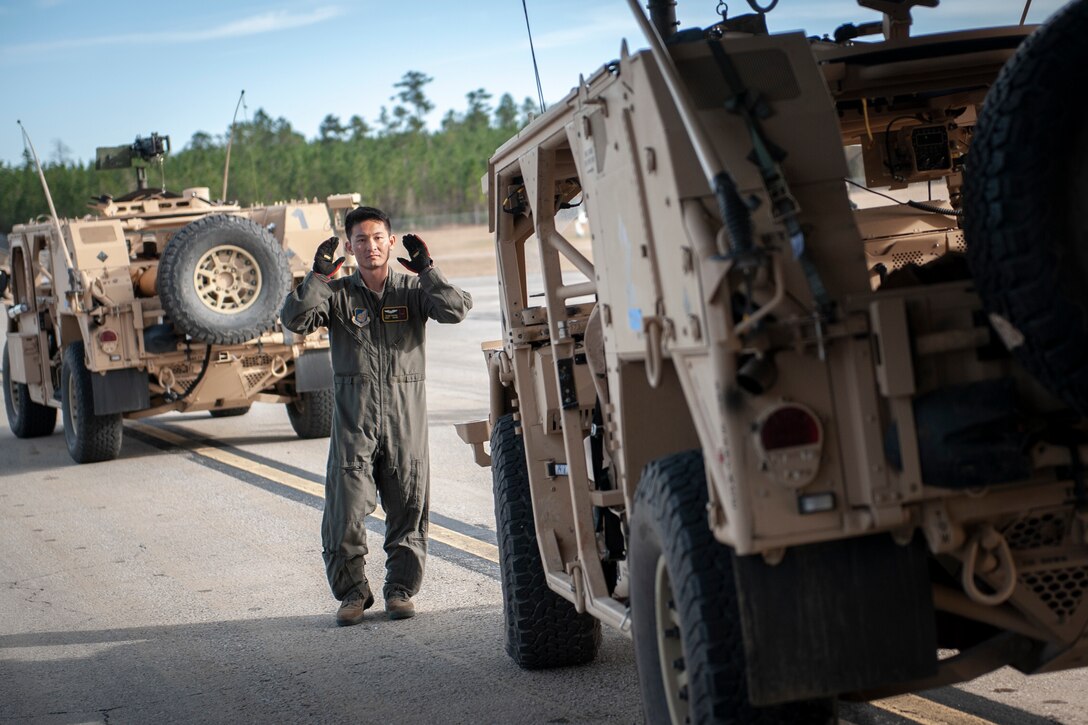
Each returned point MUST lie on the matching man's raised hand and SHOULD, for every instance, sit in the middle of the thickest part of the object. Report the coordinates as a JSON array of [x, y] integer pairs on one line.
[[323, 263], [419, 258]]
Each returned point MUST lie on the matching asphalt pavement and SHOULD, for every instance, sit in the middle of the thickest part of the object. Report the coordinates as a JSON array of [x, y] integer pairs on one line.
[[183, 583]]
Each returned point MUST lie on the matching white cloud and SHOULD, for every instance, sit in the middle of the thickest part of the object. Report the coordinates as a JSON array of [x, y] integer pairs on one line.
[[593, 28], [610, 25], [268, 22]]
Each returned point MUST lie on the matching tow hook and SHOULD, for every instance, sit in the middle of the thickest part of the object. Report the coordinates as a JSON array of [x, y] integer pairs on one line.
[[988, 553]]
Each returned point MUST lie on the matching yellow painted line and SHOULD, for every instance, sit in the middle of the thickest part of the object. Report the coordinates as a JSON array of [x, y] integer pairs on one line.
[[912, 707], [927, 712], [232, 460], [437, 533], [465, 543]]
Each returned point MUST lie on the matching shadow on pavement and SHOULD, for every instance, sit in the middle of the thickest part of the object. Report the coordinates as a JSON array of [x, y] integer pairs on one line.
[[442, 666]]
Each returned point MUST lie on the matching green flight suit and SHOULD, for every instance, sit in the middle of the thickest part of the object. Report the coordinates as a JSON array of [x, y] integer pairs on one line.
[[379, 432]]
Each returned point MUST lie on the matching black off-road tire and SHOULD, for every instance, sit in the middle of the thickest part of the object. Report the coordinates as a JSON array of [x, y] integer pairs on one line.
[[91, 438], [701, 629], [229, 412], [26, 418], [543, 629], [1025, 193], [203, 305], [311, 413]]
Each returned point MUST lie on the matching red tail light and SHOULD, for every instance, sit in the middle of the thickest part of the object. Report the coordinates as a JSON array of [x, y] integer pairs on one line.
[[789, 440], [789, 427], [107, 341]]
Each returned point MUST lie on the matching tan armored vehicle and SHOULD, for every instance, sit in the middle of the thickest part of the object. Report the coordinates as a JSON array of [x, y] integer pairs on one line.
[[158, 302], [790, 435]]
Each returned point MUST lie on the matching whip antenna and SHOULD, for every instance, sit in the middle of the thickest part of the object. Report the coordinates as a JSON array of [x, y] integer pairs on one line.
[[230, 141], [72, 279], [252, 154], [41, 176], [1025, 15], [536, 69]]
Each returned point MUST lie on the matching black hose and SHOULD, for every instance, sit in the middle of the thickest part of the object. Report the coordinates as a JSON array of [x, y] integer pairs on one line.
[[735, 214], [934, 208], [920, 205], [200, 375]]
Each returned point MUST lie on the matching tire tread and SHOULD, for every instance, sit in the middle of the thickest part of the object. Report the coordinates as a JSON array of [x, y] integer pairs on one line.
[[96, 438], [311, 416], [543, 630], [1019, 246], [671, 501], [26, 418], [172, 280]]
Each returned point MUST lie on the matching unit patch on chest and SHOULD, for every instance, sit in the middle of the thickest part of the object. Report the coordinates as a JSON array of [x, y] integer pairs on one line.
[[360, 316], [395, 314]]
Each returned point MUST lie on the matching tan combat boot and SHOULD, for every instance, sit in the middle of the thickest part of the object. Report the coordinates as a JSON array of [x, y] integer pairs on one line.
[[352, 608], [399, 606]]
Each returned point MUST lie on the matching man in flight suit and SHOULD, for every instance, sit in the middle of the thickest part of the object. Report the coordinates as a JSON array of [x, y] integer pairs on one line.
[[376, 320]]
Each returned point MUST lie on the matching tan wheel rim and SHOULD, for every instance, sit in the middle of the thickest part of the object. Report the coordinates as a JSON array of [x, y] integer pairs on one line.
[[227, 279], [670, 646]]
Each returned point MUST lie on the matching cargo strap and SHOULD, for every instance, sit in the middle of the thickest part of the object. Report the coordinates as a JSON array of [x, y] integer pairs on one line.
[[766, 157]]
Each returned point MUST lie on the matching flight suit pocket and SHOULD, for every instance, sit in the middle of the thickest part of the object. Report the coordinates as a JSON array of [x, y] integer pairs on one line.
[[350, 496], [360, 495], [349, 441], [409, 338], [418, 498], [394, 335]]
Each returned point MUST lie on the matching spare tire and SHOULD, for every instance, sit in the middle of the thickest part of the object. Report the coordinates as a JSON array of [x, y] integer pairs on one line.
[[222, 279], [1025, 187]]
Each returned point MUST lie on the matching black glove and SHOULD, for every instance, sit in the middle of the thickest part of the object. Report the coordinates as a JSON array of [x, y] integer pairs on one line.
[[420, 259], [323, 263]]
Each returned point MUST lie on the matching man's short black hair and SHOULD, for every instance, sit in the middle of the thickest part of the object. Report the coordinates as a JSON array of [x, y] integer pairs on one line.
[[366, 214]]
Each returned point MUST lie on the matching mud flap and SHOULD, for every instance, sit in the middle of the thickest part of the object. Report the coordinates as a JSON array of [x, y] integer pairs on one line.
[[313, 371], [119, 391], [836, 617]]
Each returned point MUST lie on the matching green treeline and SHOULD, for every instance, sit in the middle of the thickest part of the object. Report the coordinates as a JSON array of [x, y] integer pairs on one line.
[[395, 163]]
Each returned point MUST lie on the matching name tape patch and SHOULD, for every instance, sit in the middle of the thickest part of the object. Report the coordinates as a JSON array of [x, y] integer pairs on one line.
[[395, 314]]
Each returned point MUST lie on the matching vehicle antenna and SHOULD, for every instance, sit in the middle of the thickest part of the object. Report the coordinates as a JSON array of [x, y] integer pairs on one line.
[[536, 69], [230, 141], [251, 152], [49, 200], [1024, 16]]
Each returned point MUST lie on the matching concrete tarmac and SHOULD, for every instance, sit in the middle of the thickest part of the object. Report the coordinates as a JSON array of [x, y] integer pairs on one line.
[[156, 588], [184, 583]]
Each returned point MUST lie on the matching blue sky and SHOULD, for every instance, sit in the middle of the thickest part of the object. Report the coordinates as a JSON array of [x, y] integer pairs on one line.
[[86, 74]]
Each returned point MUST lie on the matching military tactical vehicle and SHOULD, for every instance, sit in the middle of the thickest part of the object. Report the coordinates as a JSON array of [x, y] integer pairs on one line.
[[794, 443], [161, 301]]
